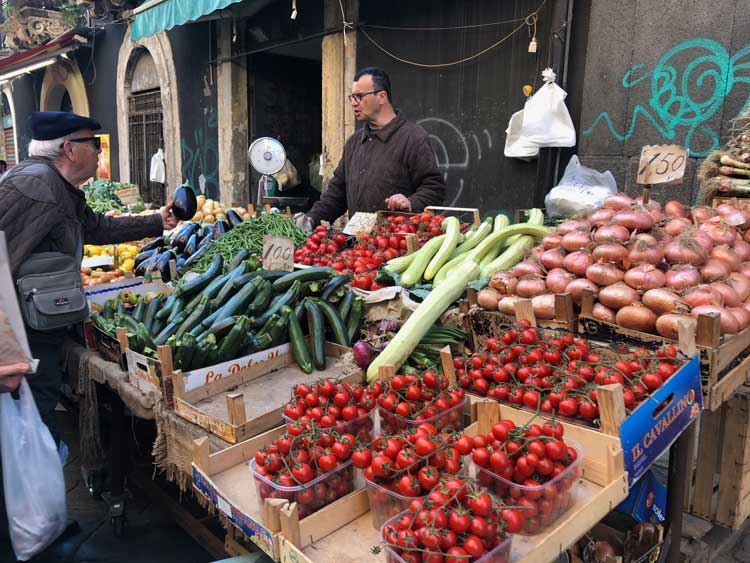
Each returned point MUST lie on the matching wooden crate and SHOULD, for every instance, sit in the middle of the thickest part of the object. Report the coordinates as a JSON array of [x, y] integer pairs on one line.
[[725, 360], [719, 490], [492, 321], [249, 401], [224, 479]]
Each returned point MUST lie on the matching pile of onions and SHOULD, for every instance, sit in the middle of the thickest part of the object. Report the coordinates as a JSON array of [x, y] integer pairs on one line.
[[648, 267]]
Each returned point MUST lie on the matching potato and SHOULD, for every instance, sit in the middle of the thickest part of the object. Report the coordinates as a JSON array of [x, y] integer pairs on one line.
[[210, 219], [488, 298], [201, 199]]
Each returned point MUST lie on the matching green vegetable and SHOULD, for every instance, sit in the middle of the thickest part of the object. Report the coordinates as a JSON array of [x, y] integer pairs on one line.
[[334, 284], [308, 274], [194, 318], [333, 320], [478, 236], [195, 285], [355, 317], [299, 346], [399, 264], [422, 258], [345, 305], [289, 298], [202, 350], [185, 350], [231, 343], [452, 229], [316, 330], [262, 298]]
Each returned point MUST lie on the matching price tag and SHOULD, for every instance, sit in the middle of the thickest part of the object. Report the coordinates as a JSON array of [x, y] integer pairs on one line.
[[278, 253], [128, 195], [662, 164], [360, 223]]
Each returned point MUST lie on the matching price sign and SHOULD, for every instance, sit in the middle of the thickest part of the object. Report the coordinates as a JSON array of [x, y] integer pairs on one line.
[[128, 195], [278, 253], [360, 222], [662, 164]]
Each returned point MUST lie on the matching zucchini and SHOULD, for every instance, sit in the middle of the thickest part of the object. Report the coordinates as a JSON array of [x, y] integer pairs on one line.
[[334, 284], [278, 329], [400, 264], [452, 229], [211, 290], [145, 337], [236, 304], [140, 309], [501, 221], [230, 287], [152, 309], [238, 258], [355, 317], [177, 308], [289, 298], [299, 346], [219, 330], [346, 305], [170, 329], [192, 287], [164, 312], [479, 235], [109, 309], [231, 343], [422, 258], [185, 350], [316, 330], [120, 308], [334, 322], [194, 318], [195, 256], [202, 350], [255, 343], [262, 298], [310, 274]]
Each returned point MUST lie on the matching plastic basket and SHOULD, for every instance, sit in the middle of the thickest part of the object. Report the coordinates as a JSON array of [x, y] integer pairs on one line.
[[451, 419], [384, 503]]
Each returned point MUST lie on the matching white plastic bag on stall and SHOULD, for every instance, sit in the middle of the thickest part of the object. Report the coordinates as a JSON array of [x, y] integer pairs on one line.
[[581, 189], [32, 476]]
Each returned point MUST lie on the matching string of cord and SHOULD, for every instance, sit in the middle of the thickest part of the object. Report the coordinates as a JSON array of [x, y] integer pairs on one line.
[[460, 61], [455, 27]]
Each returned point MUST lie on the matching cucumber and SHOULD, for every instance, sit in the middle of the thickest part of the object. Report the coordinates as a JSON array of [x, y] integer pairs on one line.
[[355, 317], [194, 318], [345, 305], [316, 330], [231, 343], [192, 287], [333, 321], [299, 346], [310, 274], [334, 284], [289, 298]]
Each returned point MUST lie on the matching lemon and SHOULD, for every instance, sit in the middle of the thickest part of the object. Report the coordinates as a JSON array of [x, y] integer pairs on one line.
[[127, 265]]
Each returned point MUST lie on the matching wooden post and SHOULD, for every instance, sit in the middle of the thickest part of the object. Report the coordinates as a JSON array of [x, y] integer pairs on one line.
[[587, 303], [524, 311], [488, 413], [386, 371], [564, 307], [412, 243], [122, 337], [288, 211], [272, 508], [236, 409], [164, 355], [446, 359], [686, 337], [178, 383], [289, 516], [472, 295], [611, 408], [708, 332], [201, 454], [646, 193]]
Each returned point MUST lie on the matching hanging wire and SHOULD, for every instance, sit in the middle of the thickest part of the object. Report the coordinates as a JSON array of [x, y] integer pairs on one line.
[[455, 27], [524, 22], [345, 24]]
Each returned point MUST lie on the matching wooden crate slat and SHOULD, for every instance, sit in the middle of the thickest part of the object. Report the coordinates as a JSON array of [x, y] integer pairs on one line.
[[733, 454], [708, 454]]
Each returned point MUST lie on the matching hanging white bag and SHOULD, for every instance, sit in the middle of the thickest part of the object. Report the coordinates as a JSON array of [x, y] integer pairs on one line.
[[515, 145], [581, 190], [32, 476], [546, 121], [158, 172]]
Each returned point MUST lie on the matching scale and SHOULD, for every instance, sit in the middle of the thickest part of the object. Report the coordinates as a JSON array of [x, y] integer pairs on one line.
[[267, 157]]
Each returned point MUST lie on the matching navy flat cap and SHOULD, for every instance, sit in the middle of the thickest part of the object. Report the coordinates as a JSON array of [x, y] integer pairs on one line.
[[46, 125]]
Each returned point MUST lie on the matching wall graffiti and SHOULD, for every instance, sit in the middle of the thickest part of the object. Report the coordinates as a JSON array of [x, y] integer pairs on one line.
[[453, 153], [689, 84], [200, 158]]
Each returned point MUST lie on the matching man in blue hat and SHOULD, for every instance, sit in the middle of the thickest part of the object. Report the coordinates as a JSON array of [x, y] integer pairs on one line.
[[42, 209]]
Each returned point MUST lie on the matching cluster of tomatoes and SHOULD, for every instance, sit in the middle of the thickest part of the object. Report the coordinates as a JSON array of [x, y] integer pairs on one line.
[[561, 374], [384, 242], [334, 404], [531, 466], [305, 465], [457, 523], [413, 398]]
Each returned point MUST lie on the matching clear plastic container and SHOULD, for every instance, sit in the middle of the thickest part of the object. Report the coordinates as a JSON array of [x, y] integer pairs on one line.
[[550, 500], [499, 554], [452, 419], [385, 503], [360, 427], [312, 496]]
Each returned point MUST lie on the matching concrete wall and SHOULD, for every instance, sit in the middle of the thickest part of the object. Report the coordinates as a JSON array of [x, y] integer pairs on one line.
[[646, 72]]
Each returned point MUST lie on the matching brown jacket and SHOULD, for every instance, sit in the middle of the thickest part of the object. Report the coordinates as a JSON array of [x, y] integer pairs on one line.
[[40, 211], [377, 164]]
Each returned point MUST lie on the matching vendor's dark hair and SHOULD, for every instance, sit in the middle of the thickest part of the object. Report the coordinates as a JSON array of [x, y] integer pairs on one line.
[[380, 79]]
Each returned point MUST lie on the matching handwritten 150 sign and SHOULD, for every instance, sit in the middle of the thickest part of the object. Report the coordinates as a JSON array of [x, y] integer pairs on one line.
[[662, 164], [278, 253]]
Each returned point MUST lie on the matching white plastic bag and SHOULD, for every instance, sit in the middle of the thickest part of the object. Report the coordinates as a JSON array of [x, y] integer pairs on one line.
[[158, 172], [580, 190], [32, 476], [515, 145]]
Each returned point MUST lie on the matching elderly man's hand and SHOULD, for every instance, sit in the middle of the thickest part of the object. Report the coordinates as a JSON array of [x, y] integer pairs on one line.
[[11, 376], [398, 202], [168, 220]]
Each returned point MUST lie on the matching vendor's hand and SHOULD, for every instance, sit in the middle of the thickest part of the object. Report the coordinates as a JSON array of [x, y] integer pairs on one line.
[[11, 376], [398, 202], [303, 221], [168, 220]]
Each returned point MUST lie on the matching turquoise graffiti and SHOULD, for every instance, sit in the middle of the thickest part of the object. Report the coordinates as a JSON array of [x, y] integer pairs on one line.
[[201, 156], [688, 86]]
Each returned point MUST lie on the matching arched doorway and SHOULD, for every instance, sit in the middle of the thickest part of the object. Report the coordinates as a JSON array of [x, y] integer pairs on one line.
[[63, 89]]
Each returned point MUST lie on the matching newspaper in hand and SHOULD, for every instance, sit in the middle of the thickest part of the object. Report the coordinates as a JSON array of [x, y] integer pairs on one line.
[[14, 347]]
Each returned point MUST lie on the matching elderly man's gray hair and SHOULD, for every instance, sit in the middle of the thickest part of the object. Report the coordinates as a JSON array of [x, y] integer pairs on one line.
[[51, 148]]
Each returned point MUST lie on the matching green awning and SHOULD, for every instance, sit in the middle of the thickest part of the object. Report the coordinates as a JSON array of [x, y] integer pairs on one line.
[[161, 15]]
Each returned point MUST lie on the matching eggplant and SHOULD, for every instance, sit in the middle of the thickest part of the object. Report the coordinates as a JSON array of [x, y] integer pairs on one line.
[[163, 266], [180, 262], [152, 244], [184, 203], [191, 245], [233, 218], [206, 240], [220, 227], [182, 238], [195, 257], [144, 255]]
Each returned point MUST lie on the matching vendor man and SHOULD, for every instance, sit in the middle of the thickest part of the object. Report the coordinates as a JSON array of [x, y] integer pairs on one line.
[[388, 163]]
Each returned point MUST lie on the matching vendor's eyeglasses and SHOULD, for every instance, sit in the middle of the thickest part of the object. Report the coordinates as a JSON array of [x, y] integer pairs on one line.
[[96, 140], [359, 95]]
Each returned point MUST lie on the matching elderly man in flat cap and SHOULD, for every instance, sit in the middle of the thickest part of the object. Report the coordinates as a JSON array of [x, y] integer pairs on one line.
[[42, 209]]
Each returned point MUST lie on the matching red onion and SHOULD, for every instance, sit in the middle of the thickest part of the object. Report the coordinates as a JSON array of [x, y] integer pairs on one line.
[[729, 324], [504, 282], [578, 286], [535, 253], [610, 252], [526, 268], [636, 317], [682, 276], [634, 219], [702, 238], [702, 213], [745, 269], [677, 226], [543, 306], [601, 216], [576, 240], [611, 233], [674, 208], [363, 353], [742, 315], [645, 276], [577, 262], [715, 268], [603, 274], [746, 236], [529, 286], [684, 250], [667, 324], [602, 313], [741, 249], [506, 305], [551, 241], [726, 254], [617, 201], [733, 216], [552, 258], [729, 296], [740, 283], [570, 225], [703, 295], [719, 231], [643, 252], [558, 279], [661, 300], [653, 207], [618, 296]]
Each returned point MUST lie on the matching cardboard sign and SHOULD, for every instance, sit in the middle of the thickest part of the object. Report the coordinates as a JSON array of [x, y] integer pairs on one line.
[[662, 164], [278, 253], [129, 195], [360, 223]]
